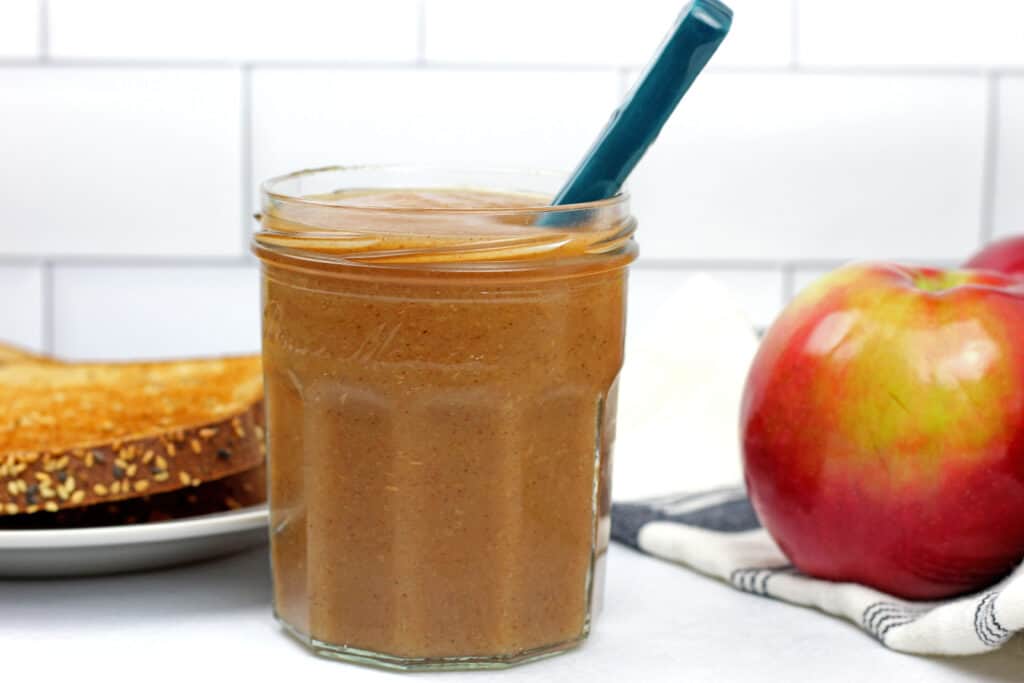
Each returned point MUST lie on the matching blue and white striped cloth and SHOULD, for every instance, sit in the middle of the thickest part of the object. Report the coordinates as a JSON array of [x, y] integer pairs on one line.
[[717, 533]]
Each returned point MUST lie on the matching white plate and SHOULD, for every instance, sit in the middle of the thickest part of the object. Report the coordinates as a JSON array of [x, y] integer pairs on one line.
[[106, 550]]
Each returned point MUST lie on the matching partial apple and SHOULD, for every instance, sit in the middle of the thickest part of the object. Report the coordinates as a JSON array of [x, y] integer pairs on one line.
[[1005, 256], [883, 429]]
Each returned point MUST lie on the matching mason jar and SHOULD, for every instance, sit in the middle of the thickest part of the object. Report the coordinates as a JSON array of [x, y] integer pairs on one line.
[[441, 355]]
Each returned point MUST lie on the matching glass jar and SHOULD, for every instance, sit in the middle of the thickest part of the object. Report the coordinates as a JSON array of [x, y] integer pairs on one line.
[[440, 386]]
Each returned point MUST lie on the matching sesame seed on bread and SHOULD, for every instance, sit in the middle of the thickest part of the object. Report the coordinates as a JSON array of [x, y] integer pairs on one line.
[[240, 490], [77, 434]]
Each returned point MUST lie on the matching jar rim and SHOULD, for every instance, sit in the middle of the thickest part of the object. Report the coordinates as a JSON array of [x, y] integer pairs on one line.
[[305, 217], [267, 189]]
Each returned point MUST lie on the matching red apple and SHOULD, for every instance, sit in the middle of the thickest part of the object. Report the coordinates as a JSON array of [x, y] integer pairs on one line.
[[1005, 255], [883, 429]]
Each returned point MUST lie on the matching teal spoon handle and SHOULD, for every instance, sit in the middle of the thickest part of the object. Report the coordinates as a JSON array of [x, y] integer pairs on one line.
[[696, 35]]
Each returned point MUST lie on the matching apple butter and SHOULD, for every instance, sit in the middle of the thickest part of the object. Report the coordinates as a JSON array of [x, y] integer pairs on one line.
[[440, 367]]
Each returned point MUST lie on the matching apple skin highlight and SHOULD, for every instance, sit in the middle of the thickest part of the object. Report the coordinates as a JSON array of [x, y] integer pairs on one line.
[[882, 427]]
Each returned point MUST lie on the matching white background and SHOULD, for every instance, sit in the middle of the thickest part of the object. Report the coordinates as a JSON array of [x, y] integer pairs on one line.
[[133, 134], [661, 624]]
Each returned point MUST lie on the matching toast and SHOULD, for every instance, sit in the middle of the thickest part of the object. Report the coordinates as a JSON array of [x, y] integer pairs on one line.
[[15, 354], [74, 435], [230, 493]]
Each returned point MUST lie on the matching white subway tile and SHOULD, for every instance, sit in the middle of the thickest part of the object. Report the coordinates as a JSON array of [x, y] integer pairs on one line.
[[157, 311], [309, 118], [120, 161], [911, 32], [22, 321], [592, 31], [758, 293], [382, 30], [19, 28], [1009, 200], [797, 166]]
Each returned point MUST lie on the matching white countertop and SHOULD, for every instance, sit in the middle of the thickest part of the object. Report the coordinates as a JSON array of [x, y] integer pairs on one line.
[[212, 622]]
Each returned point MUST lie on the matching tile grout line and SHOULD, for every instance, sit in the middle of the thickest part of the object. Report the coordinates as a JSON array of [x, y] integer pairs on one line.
[[803, 69], [797, 263], [623, 73], [44, 30], [49, 309], [794, 38], [700, 264], [990, 159], [243, 260], [788, 282], [421, 33], [732, 264], [246, 155], [125, 261]]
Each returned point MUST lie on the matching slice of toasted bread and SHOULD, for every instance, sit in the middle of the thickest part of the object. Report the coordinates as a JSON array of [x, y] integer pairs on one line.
[[78, 434], [10, 353], [230, 493]]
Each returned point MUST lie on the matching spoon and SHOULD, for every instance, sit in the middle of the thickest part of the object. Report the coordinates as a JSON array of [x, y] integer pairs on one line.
[[696, 35]]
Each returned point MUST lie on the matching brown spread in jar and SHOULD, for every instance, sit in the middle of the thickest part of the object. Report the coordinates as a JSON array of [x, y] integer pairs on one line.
[[441, 401]]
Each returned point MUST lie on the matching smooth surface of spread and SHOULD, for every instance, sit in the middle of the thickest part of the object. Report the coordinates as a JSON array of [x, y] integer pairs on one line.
[[441, 226]]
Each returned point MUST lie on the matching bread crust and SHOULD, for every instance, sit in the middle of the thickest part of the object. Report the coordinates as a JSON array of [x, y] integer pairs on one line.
[[241, 490], [15, 354], [133, 466]]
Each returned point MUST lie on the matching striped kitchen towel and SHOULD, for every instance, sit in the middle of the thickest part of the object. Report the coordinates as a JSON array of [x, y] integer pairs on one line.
[[717, 533]]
